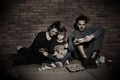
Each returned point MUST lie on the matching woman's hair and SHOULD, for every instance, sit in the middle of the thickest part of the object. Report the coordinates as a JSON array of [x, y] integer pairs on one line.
[[81, 17], [54, 25]]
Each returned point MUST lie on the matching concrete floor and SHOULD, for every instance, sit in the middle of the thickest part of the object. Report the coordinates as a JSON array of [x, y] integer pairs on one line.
[[31, 72]]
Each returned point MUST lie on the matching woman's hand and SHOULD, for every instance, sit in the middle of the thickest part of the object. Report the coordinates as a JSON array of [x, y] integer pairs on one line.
[[43, 51], [45, 54]]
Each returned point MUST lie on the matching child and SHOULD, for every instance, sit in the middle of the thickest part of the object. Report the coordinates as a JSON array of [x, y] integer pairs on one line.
[[60, 54]]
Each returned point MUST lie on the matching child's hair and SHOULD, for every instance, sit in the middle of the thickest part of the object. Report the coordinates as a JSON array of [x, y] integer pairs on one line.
[[63, 30]]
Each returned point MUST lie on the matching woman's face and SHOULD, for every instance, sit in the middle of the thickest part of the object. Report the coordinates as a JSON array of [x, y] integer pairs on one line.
[[53, 32]]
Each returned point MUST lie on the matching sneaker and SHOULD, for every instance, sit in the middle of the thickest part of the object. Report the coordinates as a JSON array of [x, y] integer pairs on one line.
[[47, 67], [53, 65], [59, 64], [41, 68], [67, 62], [44, 67]]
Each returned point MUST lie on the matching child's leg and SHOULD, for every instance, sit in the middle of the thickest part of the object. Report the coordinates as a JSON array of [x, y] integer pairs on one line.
[[66, 57], [51, 58]]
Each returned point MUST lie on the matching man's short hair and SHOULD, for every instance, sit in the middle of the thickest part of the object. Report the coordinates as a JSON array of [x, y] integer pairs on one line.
[[82, 17]]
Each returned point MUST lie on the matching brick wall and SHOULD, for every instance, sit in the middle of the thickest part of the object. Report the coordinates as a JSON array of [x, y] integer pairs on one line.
[[21, 20]]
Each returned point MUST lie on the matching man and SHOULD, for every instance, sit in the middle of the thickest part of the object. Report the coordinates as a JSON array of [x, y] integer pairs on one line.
[[38, 51], [85, 42]]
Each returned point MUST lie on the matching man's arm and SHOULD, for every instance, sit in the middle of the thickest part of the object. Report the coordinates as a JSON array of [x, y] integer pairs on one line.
[[98, 32]]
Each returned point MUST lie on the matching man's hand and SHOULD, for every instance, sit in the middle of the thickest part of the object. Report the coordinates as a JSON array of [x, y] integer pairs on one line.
[[76, 42], [84, 56], [89, 38]]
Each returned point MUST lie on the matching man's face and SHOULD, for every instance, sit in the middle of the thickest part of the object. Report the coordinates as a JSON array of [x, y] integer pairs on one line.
[[81, 25], [53, 32]]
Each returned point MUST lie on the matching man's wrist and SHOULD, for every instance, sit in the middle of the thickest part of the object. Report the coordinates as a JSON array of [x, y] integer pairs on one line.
[[92, 36]]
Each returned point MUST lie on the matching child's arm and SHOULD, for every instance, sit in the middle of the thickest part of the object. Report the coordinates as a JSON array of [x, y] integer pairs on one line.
[[66, 46], [55, 53], [64, 52], [59, 56]]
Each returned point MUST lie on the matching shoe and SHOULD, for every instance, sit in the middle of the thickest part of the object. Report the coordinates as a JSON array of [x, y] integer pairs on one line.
[[44, 67], [94, 65], [47, 67], [86, 63], [67, 62], [41, 68], [53, 65], [59, 64]]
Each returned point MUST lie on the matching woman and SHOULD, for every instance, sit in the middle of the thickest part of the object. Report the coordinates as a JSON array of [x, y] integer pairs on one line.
[[38, 51]]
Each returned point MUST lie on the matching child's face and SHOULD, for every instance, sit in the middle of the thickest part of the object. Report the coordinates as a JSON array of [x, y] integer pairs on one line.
[[60, 36]]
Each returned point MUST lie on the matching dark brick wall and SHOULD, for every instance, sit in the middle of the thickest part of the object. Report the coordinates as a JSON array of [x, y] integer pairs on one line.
[[21, 20]]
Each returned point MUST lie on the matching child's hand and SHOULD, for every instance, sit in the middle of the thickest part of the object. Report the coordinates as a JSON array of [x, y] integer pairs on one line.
[[66, 45], [59, 56], [55, 53], [63, 52]]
